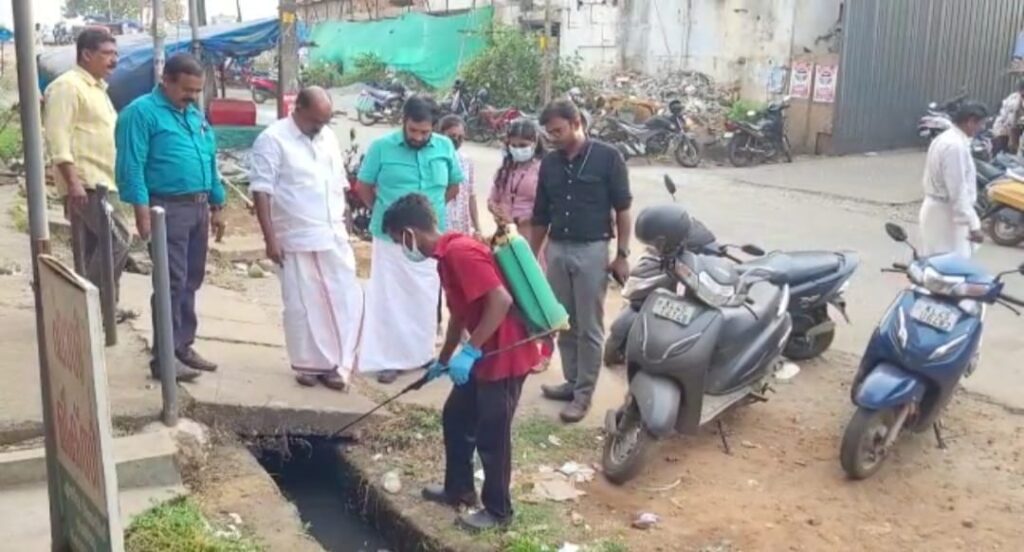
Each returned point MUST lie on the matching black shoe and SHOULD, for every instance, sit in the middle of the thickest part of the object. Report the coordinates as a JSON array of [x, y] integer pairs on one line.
[[575, 411], [436, 493], [481, 521], [185, 374], [189, 357], [387, 377], [561, 392]]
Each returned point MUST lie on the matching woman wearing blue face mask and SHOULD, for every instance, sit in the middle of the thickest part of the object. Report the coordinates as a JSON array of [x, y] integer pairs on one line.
[[515, 185]]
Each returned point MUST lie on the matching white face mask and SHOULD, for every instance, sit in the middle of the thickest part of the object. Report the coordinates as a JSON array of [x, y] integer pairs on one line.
[[522, 155]]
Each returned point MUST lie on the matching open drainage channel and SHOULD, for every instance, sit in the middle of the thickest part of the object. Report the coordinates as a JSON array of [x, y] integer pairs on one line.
[[312, 474]]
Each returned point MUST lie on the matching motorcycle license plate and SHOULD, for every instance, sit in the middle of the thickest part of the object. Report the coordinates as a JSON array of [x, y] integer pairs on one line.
[[938, 315], [680, 313]]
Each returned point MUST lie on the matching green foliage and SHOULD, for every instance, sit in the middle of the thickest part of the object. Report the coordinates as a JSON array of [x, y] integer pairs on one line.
[[531, 440], [10, 143], [510, 69], [179, 526], [121, 9], [322, 74], [740, 109], [368, 67]]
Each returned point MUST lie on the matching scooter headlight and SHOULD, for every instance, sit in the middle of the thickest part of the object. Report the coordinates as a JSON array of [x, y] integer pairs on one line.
[[934, 281], [712, 292]]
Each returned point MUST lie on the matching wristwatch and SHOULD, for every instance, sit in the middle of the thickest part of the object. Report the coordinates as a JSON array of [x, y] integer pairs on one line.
[[623, 253]]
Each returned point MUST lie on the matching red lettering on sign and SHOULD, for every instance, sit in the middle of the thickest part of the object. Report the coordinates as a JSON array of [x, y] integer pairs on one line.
[[68, 346], [78, 440]]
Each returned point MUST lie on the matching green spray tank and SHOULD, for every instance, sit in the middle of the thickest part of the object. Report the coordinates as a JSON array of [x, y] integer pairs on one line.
[[527, 283]]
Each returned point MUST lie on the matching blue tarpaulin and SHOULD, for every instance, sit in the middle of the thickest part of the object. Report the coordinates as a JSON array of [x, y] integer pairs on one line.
[[6, 35], [134, 74]]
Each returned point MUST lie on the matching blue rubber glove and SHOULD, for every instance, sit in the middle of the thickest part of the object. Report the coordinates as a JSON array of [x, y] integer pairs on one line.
[[461, 365], [435, 371]]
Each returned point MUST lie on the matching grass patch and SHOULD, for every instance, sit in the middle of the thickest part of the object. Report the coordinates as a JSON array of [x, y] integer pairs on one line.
[[409, 428], [179, 526], [532, 440], [19, 217]]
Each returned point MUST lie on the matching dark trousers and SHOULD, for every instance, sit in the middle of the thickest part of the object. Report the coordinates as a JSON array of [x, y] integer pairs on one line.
[[120, 238], [478, 417], [188, 237]]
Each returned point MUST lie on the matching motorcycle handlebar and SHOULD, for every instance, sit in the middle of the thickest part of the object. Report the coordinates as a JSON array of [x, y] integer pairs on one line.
[[1012, 300]]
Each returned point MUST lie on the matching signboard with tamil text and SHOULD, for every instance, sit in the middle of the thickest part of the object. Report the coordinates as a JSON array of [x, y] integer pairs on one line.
[[86, 474]]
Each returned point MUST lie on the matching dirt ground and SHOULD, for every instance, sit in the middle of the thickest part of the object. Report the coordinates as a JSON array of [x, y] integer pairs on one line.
[[783, 489]]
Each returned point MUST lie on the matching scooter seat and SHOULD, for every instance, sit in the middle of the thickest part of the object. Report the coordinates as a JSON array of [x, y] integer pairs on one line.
[[800, 266], [987, 171]]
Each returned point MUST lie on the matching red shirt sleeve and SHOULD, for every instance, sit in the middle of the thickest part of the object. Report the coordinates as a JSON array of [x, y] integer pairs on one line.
[[477, 272]]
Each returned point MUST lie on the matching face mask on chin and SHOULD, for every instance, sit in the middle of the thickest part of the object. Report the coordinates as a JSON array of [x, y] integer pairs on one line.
[[412, 252]]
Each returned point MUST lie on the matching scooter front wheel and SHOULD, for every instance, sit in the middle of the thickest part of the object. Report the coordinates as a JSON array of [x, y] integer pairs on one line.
[[625, 450], [863, 450]]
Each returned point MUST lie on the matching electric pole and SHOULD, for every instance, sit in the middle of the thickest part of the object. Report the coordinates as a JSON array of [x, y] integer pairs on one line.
[[547, 66], [158, 40]]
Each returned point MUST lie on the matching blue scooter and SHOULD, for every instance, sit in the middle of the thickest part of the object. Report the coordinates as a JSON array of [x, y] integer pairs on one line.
[[926, 342]]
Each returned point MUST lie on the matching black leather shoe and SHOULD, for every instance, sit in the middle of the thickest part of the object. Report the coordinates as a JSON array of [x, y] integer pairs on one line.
[[387, 377], [185, 374], [560, 392], [436, 493], [575, 411], [480, 521], [189, 357]]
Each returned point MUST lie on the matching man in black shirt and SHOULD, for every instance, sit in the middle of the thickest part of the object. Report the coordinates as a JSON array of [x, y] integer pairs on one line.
[[583, 201]]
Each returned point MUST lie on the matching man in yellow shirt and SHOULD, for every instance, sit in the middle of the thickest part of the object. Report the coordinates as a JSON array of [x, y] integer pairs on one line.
[[79, 120]]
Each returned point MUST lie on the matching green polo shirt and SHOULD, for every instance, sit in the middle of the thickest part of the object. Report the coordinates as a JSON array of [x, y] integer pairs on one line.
[[163, 150], [396, 170]]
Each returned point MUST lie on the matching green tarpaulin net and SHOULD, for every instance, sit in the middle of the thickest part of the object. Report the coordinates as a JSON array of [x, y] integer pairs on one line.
[[428, 46]]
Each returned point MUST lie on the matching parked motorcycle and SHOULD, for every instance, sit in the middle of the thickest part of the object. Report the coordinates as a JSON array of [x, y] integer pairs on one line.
[[458, 101], [263, 88], [357, 213], [486, 123], [381, 103], [924, 345], [1003, 216], [657, 136], [817, 280], [939, 117], [694, 354], [759, 138]]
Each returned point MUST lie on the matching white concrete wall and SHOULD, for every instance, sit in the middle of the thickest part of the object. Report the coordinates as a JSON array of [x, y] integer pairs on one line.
[[743, 42]]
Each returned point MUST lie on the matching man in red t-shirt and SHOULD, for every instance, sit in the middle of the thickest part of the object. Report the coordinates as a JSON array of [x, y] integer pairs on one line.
[[488, 370]]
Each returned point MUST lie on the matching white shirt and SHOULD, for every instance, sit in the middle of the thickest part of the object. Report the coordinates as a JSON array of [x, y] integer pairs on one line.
[[950, 176], [306, 179], [1008, 114]]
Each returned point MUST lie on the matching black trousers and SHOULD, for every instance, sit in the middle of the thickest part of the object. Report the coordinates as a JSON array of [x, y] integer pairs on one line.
[[478, 417]]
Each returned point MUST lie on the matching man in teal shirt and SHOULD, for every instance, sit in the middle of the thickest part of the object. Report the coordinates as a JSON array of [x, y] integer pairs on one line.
[[166, 156], [400, 322]]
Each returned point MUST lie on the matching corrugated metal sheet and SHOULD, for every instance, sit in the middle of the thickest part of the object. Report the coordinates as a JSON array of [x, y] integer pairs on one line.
[[899, 55]]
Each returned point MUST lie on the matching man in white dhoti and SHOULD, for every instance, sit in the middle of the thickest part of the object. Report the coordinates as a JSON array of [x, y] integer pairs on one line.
[[400, 327], [297, 177], [949, 223]]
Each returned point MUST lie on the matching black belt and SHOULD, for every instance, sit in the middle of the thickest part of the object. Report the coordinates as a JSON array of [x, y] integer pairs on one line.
[[199, 197]]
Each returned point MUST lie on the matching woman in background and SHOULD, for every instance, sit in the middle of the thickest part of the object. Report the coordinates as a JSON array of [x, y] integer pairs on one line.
[[462, 212], [515, 185]]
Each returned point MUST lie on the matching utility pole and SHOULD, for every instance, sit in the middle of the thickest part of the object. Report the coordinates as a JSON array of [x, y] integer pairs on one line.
[[193, 23], [39, 230], [158, 40], [547, 65], [287, 58]]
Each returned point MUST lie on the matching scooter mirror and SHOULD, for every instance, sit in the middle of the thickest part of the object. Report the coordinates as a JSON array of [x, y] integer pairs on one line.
[[670, 185], [752, 250], [896, 232]]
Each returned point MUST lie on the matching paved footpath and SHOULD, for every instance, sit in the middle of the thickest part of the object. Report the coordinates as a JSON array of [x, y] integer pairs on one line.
[[241, 330]]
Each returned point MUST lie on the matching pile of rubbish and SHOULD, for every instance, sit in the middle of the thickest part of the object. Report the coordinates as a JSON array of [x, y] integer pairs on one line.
[[645, 95]]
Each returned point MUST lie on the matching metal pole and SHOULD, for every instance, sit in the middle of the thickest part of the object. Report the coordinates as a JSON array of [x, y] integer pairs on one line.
[[108, 292], [287, 57], [39, 230], [77, 240], [548, 66], [158, 40], [162, 323], [193, 23]]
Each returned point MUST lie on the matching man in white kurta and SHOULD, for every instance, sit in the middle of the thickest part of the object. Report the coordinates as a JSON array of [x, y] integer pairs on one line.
[[297, 177], [949, 223]]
